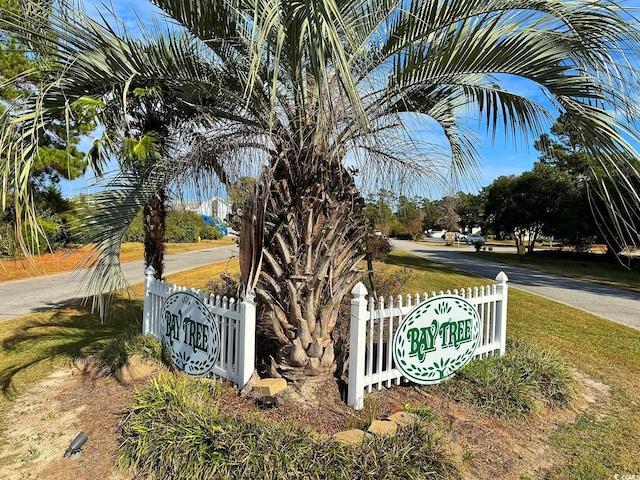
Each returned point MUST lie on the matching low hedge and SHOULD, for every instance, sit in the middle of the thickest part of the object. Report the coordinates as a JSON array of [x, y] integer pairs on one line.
[[180, 227]]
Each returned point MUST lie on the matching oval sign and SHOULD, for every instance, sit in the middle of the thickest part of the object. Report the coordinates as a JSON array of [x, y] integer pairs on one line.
[[436, 338], [190, 332]]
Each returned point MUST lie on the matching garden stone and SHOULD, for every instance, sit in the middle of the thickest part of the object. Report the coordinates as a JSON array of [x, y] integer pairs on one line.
[[402, 419], [383, 428], [269, 386], [351, 437]]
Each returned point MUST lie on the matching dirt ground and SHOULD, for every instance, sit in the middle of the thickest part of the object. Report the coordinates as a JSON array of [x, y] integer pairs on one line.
[[43, 421]]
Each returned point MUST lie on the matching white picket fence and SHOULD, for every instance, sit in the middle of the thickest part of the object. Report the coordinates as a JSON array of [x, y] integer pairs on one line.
[[373, 325], [236, 323]]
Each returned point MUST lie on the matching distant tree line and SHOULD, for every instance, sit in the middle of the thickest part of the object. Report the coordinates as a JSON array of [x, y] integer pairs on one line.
[[557, 198], [410, 217], [553, 200]]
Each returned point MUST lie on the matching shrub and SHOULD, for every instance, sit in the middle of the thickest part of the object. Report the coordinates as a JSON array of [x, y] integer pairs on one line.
[[180, 227], [52, 234], [226, 285], [114, 354], [404, 236], [7, 240], [176, 234], [494, 385], [42, 240], [175, 431], [183, 227], [414, 452], [515, 385], [546, 371], [378, 246], [135, 232], [210, 232], [388, 285]]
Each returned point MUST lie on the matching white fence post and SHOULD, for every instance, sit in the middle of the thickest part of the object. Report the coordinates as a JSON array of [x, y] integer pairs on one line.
[[501, 311], [357, 348], [247, 344], [147, 328]]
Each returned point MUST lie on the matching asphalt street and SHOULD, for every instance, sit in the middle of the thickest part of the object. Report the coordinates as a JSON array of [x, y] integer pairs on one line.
[[620, 306], [36, 294]]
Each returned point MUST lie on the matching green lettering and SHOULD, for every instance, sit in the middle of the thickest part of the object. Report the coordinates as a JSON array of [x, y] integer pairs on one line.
[[186, 326], [413, 336], [172, 330], [198, 329], [200, 336], [422, 340], [455, 333], [205, 338], [192, 335], [433, 333], [464, 330], [176, 327], [449, 333]]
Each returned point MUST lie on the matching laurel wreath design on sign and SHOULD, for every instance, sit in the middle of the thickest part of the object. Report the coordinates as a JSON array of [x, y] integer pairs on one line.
[[187, 358], [433, 322]]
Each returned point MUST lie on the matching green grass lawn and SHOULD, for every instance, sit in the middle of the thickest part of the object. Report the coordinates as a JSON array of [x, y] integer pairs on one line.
[[607, 273], [602, 442]]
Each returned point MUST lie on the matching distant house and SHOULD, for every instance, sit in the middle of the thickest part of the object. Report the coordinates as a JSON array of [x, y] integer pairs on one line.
[[216, 207]]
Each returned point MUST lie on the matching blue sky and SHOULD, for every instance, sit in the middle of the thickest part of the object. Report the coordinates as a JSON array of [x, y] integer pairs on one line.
[[501, 157]]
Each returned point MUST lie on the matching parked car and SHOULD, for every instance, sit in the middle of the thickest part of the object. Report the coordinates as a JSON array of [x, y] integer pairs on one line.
[[475, 238], [461, 237], [437, 233]]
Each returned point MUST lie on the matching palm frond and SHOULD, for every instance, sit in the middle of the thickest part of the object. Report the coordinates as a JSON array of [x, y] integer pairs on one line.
[[108, 214]]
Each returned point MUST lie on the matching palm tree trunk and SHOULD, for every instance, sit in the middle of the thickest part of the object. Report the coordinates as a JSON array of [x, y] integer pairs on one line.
[[314, 233], [153, 220]]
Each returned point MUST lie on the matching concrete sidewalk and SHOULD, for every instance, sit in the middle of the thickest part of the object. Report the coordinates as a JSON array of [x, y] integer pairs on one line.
[[37, 294], [620, 306]]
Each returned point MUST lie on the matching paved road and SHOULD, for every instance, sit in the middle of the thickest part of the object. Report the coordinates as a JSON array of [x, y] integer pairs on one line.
[[33, 295], [611, 303]]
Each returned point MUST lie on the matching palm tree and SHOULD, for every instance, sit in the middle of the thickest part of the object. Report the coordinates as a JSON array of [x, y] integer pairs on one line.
[[320, 92], [142, 138]]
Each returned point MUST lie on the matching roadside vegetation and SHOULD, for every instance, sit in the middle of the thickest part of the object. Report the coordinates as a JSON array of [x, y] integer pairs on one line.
[[165, 125], [160, 441], [180, 227]]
